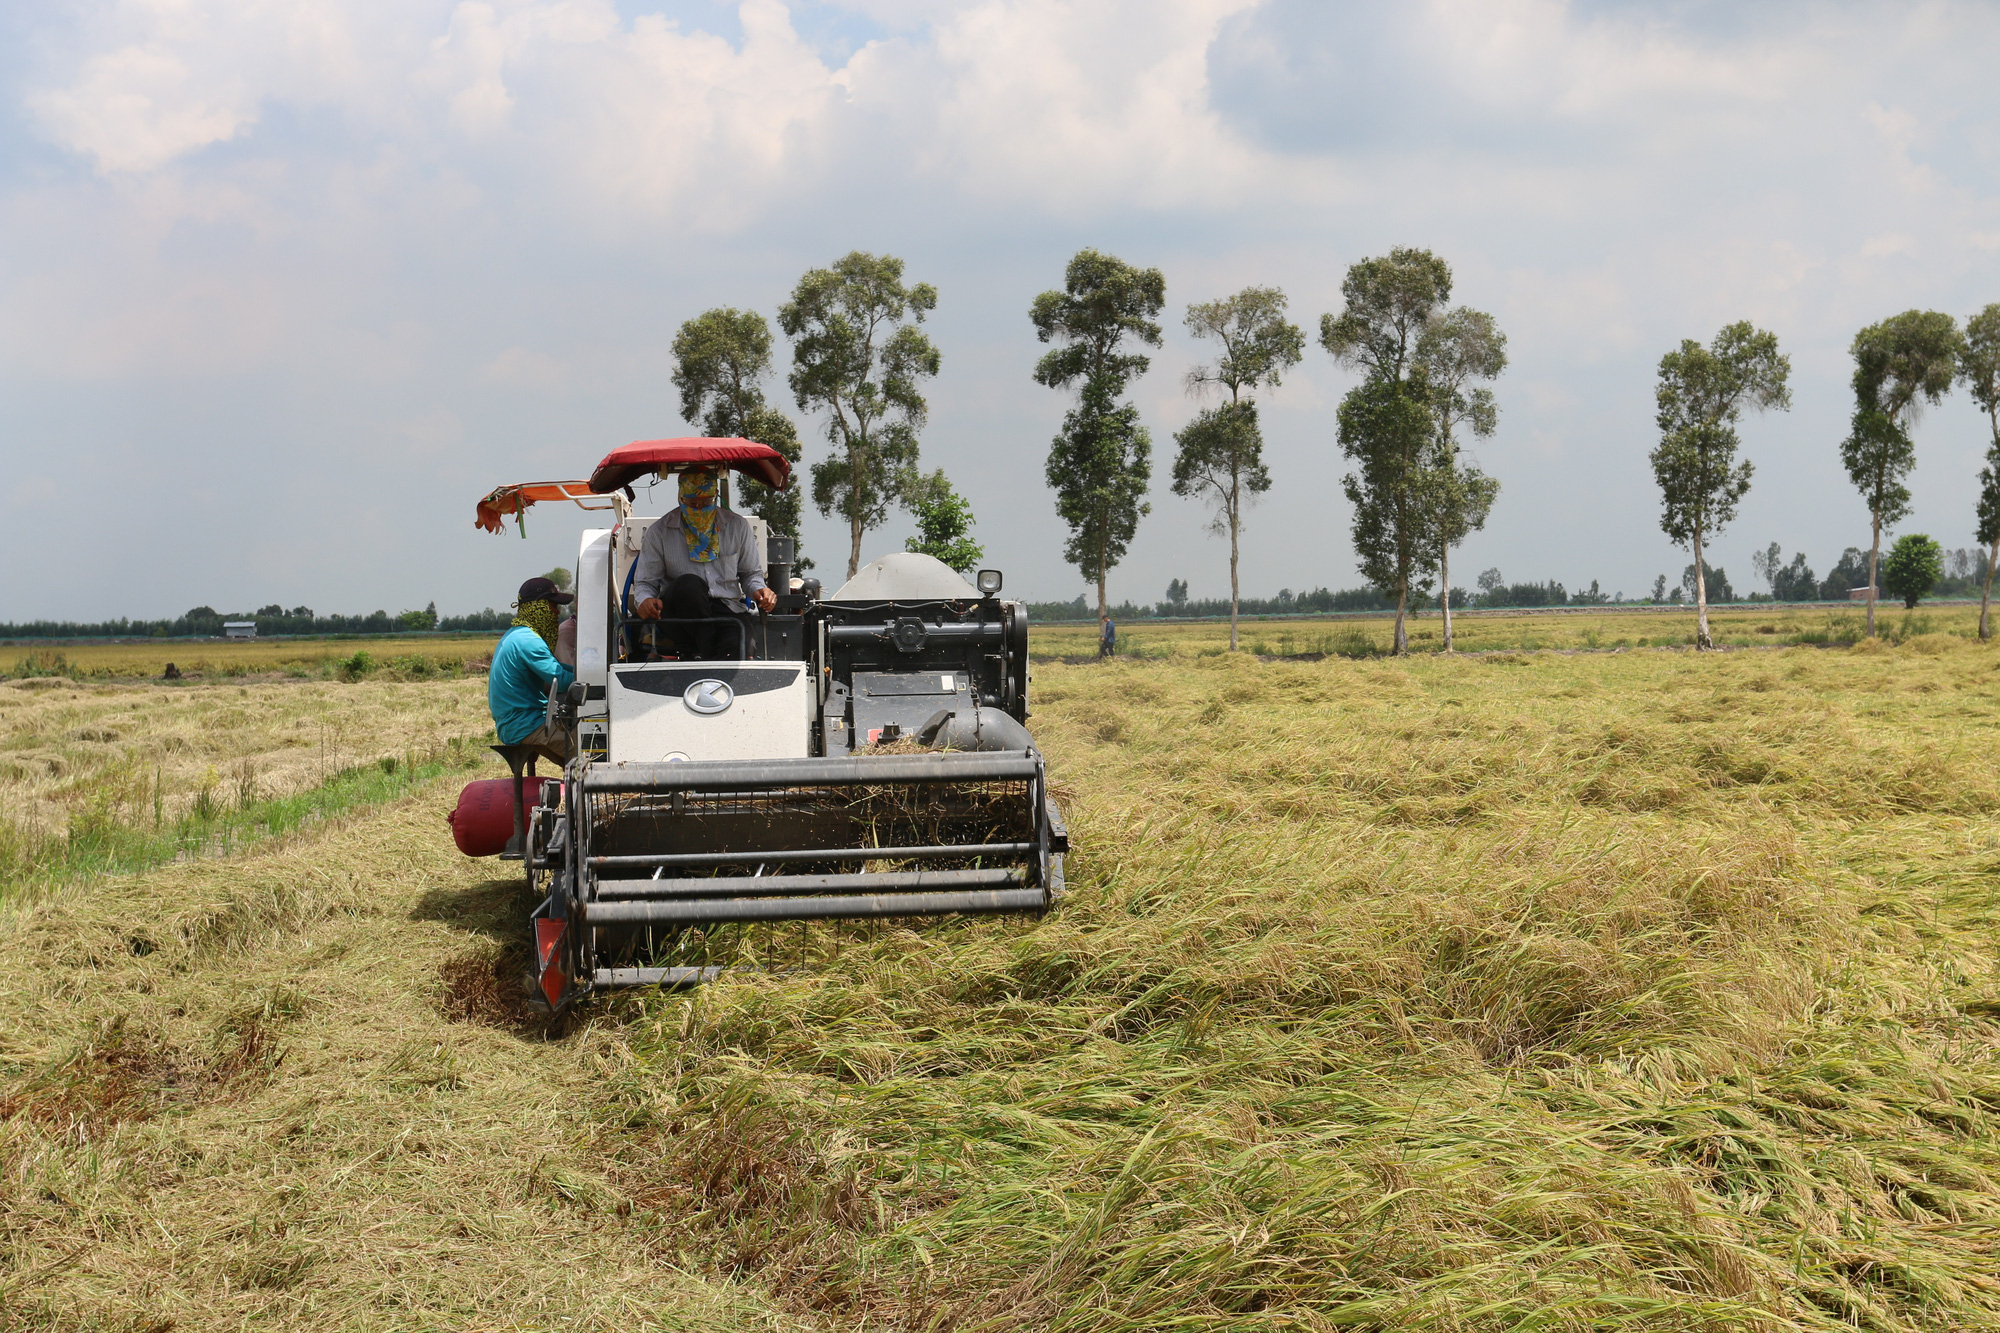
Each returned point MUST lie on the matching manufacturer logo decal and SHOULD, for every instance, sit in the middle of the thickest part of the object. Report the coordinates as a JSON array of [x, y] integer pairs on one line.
[[708, 697]]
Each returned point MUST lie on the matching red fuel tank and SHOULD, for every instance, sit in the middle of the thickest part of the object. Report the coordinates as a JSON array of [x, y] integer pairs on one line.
[[481, 823]]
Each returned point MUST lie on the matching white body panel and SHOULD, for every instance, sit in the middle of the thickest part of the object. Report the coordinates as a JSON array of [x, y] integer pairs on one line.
[[625, 553], [593, 611], [768, 716]]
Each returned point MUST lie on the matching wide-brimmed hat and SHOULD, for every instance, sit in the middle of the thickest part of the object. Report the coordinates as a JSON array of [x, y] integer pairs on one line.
[[543, 590]]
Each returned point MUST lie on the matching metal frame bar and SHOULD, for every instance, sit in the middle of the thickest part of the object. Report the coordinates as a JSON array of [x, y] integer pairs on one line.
[[798, 886], [742, 634], [975, 631], [654, 976], [723, 776], [811, 854], [688, 911]]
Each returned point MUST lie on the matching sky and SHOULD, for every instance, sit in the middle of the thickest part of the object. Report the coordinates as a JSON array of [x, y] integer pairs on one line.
[[286, 285]]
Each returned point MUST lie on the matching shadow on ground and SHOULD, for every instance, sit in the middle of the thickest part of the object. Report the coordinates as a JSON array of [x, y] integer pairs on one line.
[[495, 908]]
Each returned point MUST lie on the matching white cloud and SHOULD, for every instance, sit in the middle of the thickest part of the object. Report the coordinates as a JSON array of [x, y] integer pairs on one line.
[[429, 433], [477, 50], [138, 108], [521, 368], [151, 81], [1074, 106], [1895, 243]]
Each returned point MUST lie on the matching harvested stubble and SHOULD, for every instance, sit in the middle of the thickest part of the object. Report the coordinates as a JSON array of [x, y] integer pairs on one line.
[[99, 767], [1635, 991]]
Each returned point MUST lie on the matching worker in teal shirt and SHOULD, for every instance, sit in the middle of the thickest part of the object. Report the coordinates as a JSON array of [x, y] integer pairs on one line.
[[517, 685]]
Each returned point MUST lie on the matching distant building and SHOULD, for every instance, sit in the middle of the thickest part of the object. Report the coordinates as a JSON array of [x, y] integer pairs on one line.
[[239, 629], [1861, 595]]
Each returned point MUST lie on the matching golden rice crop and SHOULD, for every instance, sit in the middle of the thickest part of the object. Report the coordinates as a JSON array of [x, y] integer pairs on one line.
[[232, 658], [1577, 991], [1741, 625]]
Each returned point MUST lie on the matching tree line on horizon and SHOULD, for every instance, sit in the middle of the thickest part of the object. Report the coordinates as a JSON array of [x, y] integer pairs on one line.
[[206, 622], [1959, 573], [1901, 365], [860, 359]]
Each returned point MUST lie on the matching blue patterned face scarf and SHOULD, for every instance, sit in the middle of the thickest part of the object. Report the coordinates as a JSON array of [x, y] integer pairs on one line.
[[699, 506]]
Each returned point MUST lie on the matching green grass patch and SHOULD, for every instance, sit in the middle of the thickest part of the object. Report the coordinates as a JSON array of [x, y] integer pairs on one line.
[[108, 838]]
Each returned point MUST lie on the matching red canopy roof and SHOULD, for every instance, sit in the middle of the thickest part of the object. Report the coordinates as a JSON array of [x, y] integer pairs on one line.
[[628, 462]]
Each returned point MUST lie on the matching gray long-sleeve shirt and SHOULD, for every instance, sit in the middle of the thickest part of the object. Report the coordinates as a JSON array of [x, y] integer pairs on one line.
[[738, 567]]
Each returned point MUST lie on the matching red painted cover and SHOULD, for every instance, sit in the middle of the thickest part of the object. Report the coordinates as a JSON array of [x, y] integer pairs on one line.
[[628, 462], [481, 823]]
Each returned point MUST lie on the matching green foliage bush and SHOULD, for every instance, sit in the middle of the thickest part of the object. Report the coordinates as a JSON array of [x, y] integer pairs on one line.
[[1914, 566]]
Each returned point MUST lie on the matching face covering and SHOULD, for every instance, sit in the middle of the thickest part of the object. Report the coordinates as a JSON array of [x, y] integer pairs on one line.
[[540, 616], [699, 506]]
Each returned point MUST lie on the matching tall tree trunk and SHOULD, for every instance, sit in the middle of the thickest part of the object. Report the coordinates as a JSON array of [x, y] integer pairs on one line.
[[1232, 575], [1874, 550], [1986, 593], [1102, 558], [1235, 501], [1444, 598], [1402, 603], [1701, 640], [854, 510]]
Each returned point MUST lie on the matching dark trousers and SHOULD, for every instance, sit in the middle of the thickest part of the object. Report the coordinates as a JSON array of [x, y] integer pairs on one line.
[[687, 598]]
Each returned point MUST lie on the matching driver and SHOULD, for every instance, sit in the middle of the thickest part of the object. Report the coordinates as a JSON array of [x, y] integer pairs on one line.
[[698, 563]]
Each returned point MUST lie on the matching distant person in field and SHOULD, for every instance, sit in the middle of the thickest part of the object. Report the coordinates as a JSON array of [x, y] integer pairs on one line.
[[1107, 638], [517, 685], [699, 563]]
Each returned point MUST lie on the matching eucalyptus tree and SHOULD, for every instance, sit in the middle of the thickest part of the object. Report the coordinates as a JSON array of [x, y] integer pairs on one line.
[[858, 356], [1387, 431], [1221, 454], [1101, 463], [1979, 372], [1899, 365], [1386, 423], [721, 359], [1769, 565], [1454, 350], [1701, 396]]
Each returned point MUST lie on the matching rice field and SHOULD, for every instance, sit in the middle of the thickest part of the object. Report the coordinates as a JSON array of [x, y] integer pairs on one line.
[[97, 773], [1568, 630], [404, 655], [1613, 990]]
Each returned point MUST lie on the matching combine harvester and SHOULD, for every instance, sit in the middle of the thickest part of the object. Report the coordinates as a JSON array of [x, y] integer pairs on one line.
[[858, 757]]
